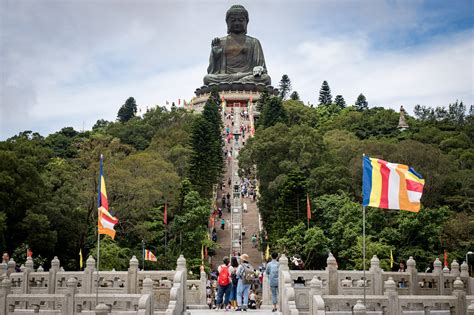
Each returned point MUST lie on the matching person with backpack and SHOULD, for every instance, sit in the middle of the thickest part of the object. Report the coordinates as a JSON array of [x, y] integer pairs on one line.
[[246, 275], [233, 296], [225, 283], [272, 273]]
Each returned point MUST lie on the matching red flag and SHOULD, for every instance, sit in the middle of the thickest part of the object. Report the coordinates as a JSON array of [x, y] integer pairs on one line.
[[29, 253], [308, 206], [165, 215], [179, 101], [445, 258]]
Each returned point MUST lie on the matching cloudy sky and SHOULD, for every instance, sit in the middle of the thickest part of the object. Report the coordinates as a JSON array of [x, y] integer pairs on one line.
[[70, 63]]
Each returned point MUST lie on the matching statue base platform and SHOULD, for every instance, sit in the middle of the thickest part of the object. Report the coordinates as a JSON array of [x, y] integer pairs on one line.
[[242, 99], [237, 86]]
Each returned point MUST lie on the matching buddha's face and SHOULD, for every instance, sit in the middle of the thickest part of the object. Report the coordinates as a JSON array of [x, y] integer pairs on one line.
[[237, 24]]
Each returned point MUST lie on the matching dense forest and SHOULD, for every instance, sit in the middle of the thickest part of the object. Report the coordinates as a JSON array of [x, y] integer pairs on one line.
[[317, 150], [49, 188]]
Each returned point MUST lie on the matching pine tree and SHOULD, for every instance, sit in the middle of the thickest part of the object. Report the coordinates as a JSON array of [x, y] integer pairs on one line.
[[361, 103], [264, 96], [127, 111], [295, 96], [284, 86], [325, 97], [273, 112], [339, 101]]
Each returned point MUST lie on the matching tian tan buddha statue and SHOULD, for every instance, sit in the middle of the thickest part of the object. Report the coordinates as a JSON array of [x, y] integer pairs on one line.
[[236, 57]]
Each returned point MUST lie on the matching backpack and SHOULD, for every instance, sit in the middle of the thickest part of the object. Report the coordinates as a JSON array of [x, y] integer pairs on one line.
[[248, 276], [235, 280], [223, 278]]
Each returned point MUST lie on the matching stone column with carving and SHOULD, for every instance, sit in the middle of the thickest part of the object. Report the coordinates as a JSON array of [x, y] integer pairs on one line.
[[411, 268], [202, 287], [266, 295], [11, 266], [181, 266], [132, 285], [359, 308], [5, 287], [88, 276], [438, 272], [3, 270], [281, 279], [392, 295], [460, 293], [377, 287], [148, 289], [455, 268], [29, 268], [316, 289], [102, 309], [55, 265], [71, 294], [331, 268], [470, 308]]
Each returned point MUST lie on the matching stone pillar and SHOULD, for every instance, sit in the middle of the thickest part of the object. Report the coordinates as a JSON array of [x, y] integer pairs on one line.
[[411, 268], [392, 295], [88, 275], [202, 287], [359, 308], [71, 294], [181, 266], [11, 266], [438, 272], [29, 268], [281, 280], [464, 270], [470, 308], [148, 289], [132, 285], [331, 268], [458, 291], [266, 298], [3, 270], [102, 309], [52, 275], [377, 287], [5, 287], [316, 288], [455, 268]]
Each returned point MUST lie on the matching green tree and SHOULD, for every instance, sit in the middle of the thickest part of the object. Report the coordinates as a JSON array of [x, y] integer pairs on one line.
[[325, 97], [339, 101], [284, 86], [264, 96], [127, 111], [295, 96], [273, 112], [361, 103]]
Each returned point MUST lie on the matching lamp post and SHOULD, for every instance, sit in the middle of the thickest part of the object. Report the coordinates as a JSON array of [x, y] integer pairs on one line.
[[467, 261]]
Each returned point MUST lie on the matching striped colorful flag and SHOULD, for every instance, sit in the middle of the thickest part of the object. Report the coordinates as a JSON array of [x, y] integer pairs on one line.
[[80, 259], [390, 185], [308, 207], [165, 215], [391, 259], [149, 255], [106, 221]]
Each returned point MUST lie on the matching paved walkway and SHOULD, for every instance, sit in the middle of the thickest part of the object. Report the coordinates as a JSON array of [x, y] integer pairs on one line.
[[264, 310]]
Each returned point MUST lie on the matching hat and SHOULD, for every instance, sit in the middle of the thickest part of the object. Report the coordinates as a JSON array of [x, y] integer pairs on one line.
[[244, 257]]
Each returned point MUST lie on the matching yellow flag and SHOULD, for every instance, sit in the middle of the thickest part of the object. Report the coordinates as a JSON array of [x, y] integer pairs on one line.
[[391, 260], [267, 253], [80, 258], [202, 253]]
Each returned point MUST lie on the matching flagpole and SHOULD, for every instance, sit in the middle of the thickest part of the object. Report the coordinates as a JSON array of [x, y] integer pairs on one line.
[[363, 235], [98, 234], [143, 254]]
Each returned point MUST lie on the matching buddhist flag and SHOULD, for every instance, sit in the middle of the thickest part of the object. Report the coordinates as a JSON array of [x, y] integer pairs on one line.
[[149, 255], [391, 260], [165, 215], [80, 258], [202, 254], [29, 252], [445, 258], [267, 253], [308, 207], [106, 221], [391, 185]]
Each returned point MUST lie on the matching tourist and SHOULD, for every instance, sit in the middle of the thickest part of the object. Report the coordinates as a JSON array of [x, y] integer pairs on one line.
[[222, 223], [244, 274], [402, 266], [233, 296], [5, 258], [252, 301], [254, 240], [245, 207], [225, 283], [272, 273], [228, 193], [219, 212]]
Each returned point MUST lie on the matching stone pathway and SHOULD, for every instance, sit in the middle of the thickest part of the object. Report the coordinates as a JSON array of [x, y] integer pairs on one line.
[[264, 310]]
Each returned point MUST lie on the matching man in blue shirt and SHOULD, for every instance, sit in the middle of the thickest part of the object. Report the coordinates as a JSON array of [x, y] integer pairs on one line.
[[272, 273]]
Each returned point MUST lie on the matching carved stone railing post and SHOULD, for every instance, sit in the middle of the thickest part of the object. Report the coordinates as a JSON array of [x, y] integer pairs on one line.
[[181, 266], [281, 280], [316, 289], [359, 308], [148, 289], [3, 270], [470, 308], [377, 272], [464, 270], [132, 285], [70, 295], [458, 291], [392, 295], [87, 280], [5, 286], [438, 271], [455, 268], [411, 268], [266, 299], [102, 309], [55, 265], [29, 268], [11, 266], [331, 268], [202, 287]]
